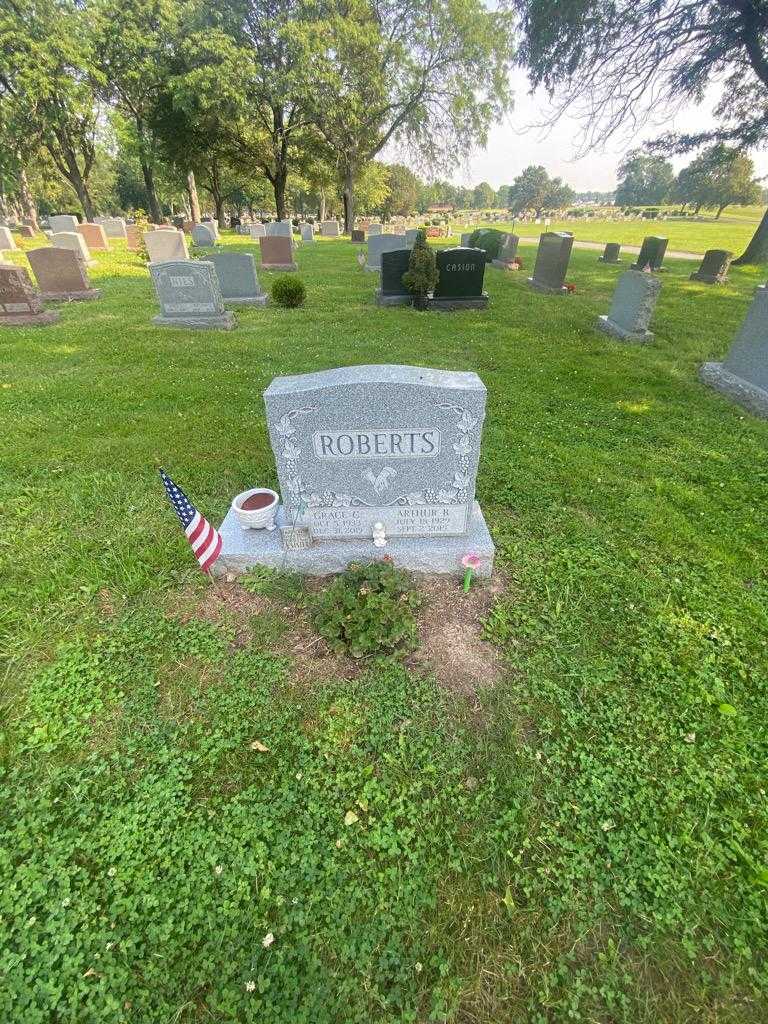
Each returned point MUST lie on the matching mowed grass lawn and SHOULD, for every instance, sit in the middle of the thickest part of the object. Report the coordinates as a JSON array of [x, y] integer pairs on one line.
[[695, 236], [586, 841]]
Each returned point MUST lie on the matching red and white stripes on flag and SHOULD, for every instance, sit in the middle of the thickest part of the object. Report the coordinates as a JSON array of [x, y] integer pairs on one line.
[[204, 539]]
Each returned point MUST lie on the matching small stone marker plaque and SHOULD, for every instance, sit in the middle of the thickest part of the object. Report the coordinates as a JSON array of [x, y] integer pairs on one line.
[[73, 240], [63, 222], [296, 538], [166, 244], [330, 229], [189, 295], [239, 284], [20, 304], [61, 275], [714, 267], [507, 251], [651, 253], [611, 253], [202, 235], [460, 284], [277, 253], [743, 375], [379, 244], [551, 265], [94, 236], [358, 235], [632, 306], [393, 292]]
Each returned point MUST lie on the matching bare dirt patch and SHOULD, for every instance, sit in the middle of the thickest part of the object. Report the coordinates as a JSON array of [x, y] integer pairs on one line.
[[451, 644]]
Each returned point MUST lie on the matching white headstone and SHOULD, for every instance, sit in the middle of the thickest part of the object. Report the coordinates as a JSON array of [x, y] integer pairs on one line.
[[72, 240]]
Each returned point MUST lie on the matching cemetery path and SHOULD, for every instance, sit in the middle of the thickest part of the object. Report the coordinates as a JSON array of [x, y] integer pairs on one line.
[[674, 254]]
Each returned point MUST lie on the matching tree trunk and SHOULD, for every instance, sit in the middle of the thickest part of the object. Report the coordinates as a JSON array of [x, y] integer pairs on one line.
[[279, 181], [348, 196], [321, 208], [194, 201], [757, 250], [27, 200], [155, 213], [720, 210]]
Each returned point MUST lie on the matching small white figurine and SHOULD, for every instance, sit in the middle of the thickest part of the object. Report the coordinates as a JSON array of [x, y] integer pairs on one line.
[[361, 259], [379, 535]]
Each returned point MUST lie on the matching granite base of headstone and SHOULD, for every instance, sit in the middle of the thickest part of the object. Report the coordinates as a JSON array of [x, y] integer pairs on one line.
[[189, 295], [743, 374], [460, 282], [364, 449], [632, 306], [61, 275], [714, 267], [611, 253], [393, 292], [239, 284], [20, 301]]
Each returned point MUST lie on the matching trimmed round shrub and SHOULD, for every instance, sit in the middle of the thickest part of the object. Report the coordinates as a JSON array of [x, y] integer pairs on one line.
[[289, 291], [488, 239]]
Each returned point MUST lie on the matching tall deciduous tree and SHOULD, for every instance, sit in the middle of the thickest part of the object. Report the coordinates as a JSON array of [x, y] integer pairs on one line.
[[718, 177], [428, 74], [533, 189], [618, 64], [644, 179], [46, 62]]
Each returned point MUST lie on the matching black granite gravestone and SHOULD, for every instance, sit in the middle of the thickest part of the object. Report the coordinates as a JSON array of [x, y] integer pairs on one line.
[[358, 235], [714, 267], [393, 292], [551, 265], [611, 253], [651, 253], [460, 285]]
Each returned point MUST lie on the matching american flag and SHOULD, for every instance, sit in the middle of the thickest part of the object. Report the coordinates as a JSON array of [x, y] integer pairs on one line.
[[205, 541]]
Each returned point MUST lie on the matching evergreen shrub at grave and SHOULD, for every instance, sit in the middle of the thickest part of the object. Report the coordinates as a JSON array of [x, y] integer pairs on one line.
[[239, 284], [714, 267], [20, 304], [651, 253], [460, 280], [551, 265], [277, 253], [743, 374], [189, 295], [371, 452], [203, 236], [94, 236], [632, 306], [165, 244], [61, 275], [611, 253], [393, 292], [487, 239], [6, 239], [422, 274]]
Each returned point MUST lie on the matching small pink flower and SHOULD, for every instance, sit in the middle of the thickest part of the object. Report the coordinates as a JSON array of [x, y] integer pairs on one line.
[[471, 561]]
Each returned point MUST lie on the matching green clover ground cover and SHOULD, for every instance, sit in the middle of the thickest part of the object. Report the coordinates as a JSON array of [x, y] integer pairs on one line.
[[593, 848]]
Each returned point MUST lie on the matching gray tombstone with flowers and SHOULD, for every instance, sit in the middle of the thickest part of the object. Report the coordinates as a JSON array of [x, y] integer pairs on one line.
[[371, 461]]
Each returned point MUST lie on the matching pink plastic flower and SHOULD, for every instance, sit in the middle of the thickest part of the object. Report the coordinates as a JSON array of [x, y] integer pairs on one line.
[[471, 561]]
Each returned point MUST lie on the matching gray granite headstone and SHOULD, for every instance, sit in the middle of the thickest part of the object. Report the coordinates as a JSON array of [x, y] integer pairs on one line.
[[366, 445], [743, 375], [279, 229], [632, 306], [460, 281], [551, 265], [465, 238], [507, 251], [239, 284], [203, 235], [410, 237], [63, 222], [114, 227], [330, 229], [307, 233], [379, 244], [166, 244], [393, 292], [611, 253], [375, 229], [258, 231], [189, 295], [651, 253], [714, 267]]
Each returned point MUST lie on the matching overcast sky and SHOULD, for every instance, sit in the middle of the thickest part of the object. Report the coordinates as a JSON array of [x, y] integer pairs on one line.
[[511, 148]]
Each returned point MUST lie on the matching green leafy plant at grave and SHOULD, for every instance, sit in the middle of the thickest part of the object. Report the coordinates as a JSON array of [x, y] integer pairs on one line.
[[368, 610], [422, 274], [289, 292], [283, 586], [488, 239], [142, 224]]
